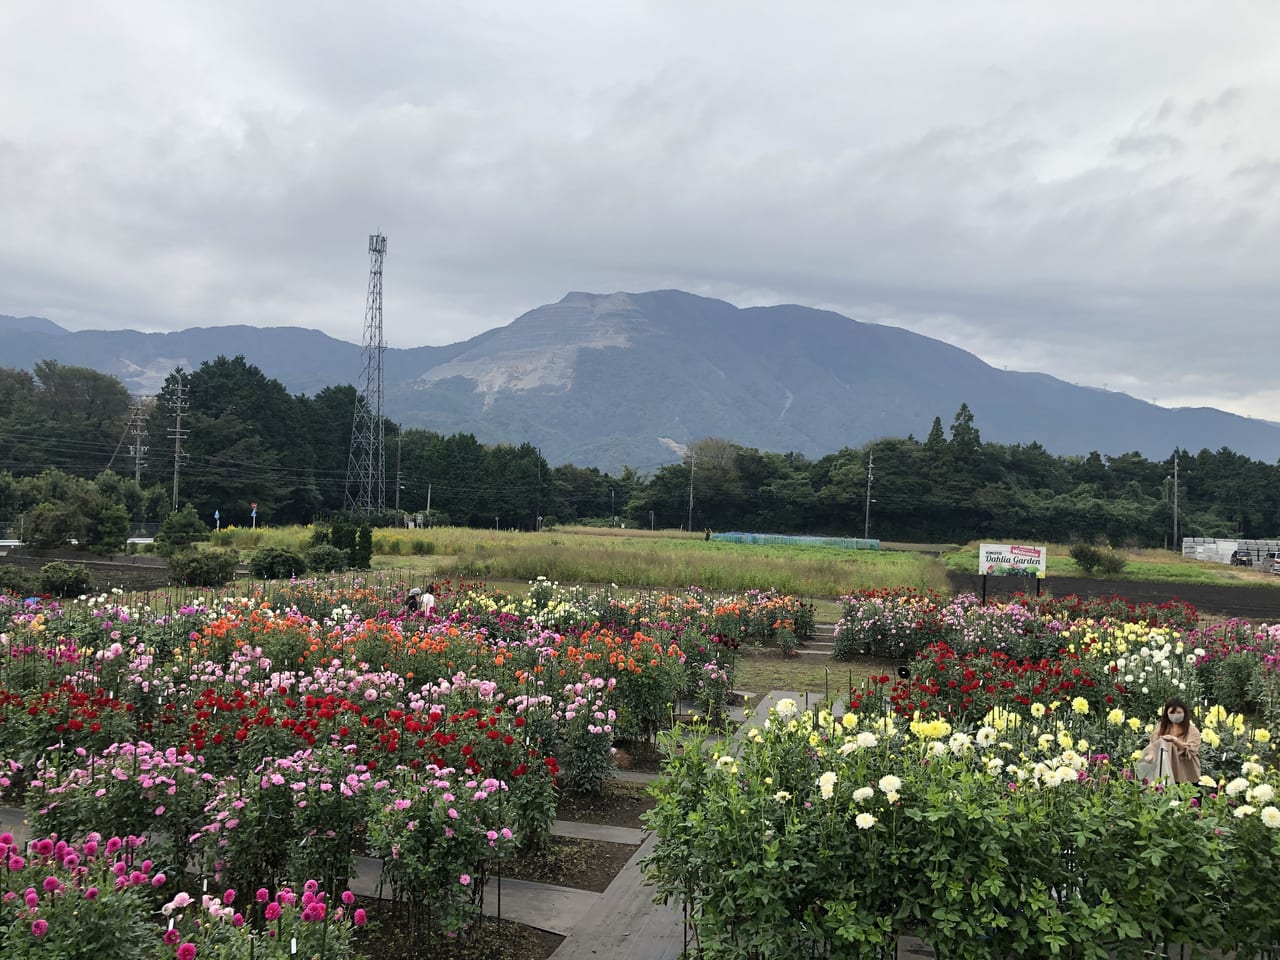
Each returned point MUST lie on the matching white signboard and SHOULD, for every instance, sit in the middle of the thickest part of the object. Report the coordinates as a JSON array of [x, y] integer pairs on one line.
[[1013, 560]]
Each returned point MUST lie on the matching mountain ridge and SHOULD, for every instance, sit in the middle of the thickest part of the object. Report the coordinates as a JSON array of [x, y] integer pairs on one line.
[[601, 379]]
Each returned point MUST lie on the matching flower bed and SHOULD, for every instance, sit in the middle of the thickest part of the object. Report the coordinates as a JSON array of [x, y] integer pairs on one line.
[[259, 741], [900, 622], [100, 899], [985, 803]]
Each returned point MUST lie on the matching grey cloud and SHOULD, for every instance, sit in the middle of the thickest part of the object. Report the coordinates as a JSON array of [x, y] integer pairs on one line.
[[1079, 212], [1224, 102], [1148, 144]]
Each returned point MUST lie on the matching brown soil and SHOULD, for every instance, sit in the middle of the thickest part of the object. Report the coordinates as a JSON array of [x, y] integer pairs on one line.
[[570, 862], [491, 939], [638, 755], [619, 806]]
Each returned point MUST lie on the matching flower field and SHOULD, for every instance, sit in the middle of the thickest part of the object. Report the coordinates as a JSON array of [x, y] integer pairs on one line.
[[258, 742], [983, 799]]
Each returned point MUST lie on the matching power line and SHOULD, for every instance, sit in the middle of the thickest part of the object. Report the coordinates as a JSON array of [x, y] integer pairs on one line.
[[119, 443]]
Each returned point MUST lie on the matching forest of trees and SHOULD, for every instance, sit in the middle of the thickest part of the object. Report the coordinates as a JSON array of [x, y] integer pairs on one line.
[[67, 468]]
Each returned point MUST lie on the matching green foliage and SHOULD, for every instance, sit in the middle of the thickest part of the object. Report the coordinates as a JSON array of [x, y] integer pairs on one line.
[[203, 568], [342, 534], [1103, 560], [812, 838], [59, 418], [277, 563], [1233, 680], [108, 529], [69, 922], [255, 439], [420, 860], [1086, 556], [1110, 562], [16, 580], [255, 443], [51, 524], [64, 579], [181, 529], [287, 937], [326, 558], [362, 558], [240, 538]]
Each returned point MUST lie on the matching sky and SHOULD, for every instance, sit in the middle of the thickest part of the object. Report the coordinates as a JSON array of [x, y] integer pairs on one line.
[[1088, 190]]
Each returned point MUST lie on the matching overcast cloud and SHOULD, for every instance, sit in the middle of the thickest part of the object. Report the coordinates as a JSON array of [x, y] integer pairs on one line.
[[1090, 190]]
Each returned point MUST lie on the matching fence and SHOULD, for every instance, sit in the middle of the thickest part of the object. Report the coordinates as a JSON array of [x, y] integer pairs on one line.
[[844, 543]]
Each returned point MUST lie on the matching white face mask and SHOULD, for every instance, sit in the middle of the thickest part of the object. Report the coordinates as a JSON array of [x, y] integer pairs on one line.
[[1177, 717]]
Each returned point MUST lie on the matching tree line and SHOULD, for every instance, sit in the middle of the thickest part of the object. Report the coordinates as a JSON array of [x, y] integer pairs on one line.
[[80, 458]]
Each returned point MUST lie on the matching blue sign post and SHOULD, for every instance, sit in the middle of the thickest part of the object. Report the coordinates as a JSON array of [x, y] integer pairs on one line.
[[217, 520], [253, 512]]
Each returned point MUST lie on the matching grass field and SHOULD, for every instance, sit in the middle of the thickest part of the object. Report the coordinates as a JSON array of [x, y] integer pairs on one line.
[[674, 560], [638, 558]]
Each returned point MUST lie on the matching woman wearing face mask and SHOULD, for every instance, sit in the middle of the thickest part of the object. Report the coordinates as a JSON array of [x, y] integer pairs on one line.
[[1174, 750]]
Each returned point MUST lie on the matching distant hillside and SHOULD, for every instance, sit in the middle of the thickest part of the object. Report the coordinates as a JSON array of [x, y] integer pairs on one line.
[[30, 325], [614, 380], [306, 361]]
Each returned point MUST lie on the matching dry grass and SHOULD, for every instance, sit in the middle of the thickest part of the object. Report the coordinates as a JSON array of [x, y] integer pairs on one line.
[[638, 558]]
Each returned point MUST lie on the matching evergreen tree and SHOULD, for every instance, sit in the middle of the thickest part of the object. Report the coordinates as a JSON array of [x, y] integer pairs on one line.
[[364, 548]]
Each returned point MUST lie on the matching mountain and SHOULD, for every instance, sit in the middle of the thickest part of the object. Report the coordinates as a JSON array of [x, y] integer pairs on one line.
[[31, 325], [306, 361], [623, 379]]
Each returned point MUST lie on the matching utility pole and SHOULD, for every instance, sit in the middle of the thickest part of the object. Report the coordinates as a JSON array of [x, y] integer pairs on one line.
[[399, 438], [428, 504], [866, 526], [179, 406], [1175, 502], [691, 462], [138, 449]]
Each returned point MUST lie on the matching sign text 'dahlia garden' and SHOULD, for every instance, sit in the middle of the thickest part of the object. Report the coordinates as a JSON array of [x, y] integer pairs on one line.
[[1012, 560]]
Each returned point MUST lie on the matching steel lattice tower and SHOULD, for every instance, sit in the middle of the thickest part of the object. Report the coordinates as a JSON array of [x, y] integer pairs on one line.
[[366, 469]]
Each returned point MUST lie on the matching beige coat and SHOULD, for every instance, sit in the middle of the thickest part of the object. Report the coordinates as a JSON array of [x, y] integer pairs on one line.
[[1183, 760]]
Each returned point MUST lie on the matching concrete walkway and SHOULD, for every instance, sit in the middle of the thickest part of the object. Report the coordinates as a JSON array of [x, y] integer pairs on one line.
[[628, 925], [597, 831]]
